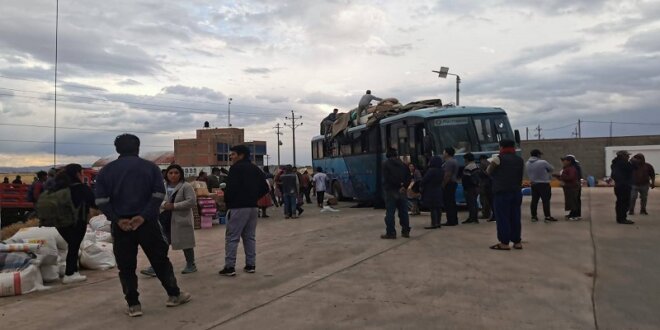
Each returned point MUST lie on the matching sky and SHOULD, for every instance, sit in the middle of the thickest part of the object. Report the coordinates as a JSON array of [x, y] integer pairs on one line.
[[159, 69]]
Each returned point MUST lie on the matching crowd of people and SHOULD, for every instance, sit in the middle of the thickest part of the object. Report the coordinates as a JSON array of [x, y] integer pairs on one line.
[[496, 183]]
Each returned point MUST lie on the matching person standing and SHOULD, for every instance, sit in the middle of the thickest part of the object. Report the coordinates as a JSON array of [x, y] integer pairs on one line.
[[570, 179], [470, 180], [506, 170], [299, 195], [290, 189], [539, 173], [643, 173], [432, 191], [82, 198], [270, 179], [37, 187], [449, 184], [365, 101], [306, 186], [5, 180], [413, 189], [396, 177], [176, 217], [17, 180], [129, 191], [485, 190], [320, 180], [246, 183], [213, 180], [622, 173]]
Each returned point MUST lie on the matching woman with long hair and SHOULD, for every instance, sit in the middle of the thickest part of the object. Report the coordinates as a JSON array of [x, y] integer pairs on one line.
[[71, 177], [176, 217]]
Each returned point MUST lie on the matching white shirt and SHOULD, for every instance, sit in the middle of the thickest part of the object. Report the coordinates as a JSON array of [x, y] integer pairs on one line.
[[319, 181]]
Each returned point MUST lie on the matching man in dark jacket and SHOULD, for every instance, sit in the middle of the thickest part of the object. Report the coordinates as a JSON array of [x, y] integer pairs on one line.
[[506, 170], [643, 179], [246, 183], [396, 177], [622, 171], [485, 190], [129, 191], [432, 191], [470, 180]]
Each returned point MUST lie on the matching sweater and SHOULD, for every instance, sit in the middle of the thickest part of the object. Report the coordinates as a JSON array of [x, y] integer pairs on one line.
[[246, 183], [538, 170]]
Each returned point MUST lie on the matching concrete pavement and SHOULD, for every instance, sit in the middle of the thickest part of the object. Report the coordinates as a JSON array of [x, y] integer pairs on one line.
[[330, 270]]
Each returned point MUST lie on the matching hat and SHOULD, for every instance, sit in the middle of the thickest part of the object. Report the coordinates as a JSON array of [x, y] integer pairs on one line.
[[622, 153], [568, 157], [535, 153]]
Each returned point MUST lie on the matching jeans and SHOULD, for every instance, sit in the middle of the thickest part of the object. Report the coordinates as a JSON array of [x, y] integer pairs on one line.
[[471, 201], [486, 198], [290, 202], [507, 215], [573, 201], [396, 202], [643, 192], [125, 247], [319, 197], [449, 199], [436, 216], [241, 224], [622, 205], [541, 191], [73, 235], [306, 191]]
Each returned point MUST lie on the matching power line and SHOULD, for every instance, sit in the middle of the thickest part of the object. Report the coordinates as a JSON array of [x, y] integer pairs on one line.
[[77, 143], [85, 129]]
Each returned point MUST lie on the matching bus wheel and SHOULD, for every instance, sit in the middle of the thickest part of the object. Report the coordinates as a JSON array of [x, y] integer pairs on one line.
[[336, 189]]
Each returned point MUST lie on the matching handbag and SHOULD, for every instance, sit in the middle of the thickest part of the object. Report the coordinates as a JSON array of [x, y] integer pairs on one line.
[[165, 220]]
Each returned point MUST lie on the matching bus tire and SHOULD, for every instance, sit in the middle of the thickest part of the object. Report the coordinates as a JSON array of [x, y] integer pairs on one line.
[[336, 189]]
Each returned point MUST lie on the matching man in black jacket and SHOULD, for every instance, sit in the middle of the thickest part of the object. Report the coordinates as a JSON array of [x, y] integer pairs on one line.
[[396, 177], [246, 183], [622, 173], [129, 191]]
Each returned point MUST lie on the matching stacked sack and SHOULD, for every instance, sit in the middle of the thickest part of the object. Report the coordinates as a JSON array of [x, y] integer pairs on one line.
[[51, 256], [19, 269], [96, 248]]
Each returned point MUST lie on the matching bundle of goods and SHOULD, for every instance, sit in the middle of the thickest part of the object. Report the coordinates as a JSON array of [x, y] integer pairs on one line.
[[219, 196], [19, 273], [207, 210], [201, 190], [197, 219], [97, 255], [51, 256]]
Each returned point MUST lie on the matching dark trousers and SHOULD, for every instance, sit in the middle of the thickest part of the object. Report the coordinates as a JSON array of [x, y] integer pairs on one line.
[[573, 201], [436, 216], [541, 191], [507, 214], [306, 192], [622, 193], [471, 195], [486, 199], [449, 199], [73, 235], [150, 238], [319, 197], [396, 202]]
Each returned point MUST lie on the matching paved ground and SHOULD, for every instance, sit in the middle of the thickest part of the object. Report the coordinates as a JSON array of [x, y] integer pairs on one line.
[[331, 270]]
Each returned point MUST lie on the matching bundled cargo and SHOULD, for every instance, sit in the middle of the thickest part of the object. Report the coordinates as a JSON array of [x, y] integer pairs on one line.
[[19, 274]]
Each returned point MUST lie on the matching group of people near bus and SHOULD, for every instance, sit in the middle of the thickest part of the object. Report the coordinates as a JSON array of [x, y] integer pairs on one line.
[[496, 184]]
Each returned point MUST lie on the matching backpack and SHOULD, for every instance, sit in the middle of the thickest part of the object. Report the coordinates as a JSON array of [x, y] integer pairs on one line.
[[56, 209]]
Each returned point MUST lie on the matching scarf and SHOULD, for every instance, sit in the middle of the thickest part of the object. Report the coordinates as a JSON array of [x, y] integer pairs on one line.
[[508, 150]]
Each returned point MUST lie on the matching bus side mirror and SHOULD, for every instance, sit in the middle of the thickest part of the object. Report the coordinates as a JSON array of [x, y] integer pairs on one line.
[[517, 136]]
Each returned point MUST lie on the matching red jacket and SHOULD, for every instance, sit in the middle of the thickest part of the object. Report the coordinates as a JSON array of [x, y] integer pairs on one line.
[[569, 177]]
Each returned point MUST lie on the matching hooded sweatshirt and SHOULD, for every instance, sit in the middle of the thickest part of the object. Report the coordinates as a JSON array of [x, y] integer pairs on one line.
[[643, 172], [538, 170]]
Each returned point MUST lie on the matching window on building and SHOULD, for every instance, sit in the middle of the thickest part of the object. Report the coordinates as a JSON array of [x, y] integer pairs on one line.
[[222, 152]]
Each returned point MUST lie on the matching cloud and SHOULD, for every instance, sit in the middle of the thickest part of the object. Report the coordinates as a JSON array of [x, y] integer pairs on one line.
[[203, 92], [538, 53], [257, 70], [648, 42], [129, 82]]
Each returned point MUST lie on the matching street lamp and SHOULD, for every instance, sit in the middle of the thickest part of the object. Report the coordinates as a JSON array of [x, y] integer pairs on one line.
[[444, 71], [229, 112]]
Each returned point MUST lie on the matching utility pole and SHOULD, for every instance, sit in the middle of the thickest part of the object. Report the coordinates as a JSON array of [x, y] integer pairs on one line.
[[526, 133], [293, 127], [229, 112], [279, 143], [57, 26], [538, 130], [579, 129], [267, 158]]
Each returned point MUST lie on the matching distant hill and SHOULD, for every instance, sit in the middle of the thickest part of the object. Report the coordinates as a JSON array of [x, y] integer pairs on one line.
[[29, 169]]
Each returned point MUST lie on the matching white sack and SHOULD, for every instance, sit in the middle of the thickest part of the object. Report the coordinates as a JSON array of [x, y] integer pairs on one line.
[[17, 283], [97, 255]]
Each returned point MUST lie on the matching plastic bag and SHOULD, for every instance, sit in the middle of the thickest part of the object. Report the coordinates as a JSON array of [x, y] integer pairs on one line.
[[97, 255], [22, 282]]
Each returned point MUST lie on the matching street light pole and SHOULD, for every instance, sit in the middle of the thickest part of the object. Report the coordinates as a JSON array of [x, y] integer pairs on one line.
[[229, 112], [443, 73]]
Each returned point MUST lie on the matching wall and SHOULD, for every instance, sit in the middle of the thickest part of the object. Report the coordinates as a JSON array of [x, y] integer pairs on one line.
[[589, 151]]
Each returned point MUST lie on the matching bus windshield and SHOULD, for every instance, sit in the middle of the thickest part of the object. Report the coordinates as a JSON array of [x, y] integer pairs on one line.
[[470, 133]]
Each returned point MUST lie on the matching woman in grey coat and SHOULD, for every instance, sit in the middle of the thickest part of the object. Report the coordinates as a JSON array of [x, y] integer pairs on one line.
[[176, 217]]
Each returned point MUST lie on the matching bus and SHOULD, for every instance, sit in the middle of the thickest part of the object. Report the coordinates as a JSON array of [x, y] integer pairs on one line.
[[352, 161]]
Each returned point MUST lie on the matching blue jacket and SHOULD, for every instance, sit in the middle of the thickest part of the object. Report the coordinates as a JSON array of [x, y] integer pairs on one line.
[[130, 186]]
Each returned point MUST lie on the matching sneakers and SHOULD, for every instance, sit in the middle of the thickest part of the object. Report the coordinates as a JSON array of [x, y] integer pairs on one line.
[[631, 213], [228, 272], [549, 219], [626, 222], [181, 299], [643, 212], [575, 218], [386, 236], [134, 311], [250, 269], [470, 221], [148, 272], [535, 219], [405, 234], [189, 269], [74, 278]]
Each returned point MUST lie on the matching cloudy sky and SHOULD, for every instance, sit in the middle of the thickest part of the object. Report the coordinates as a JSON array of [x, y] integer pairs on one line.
[[162, 68]]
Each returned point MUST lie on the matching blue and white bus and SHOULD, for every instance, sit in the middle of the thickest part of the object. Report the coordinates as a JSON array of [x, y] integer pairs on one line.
[[353, 160]]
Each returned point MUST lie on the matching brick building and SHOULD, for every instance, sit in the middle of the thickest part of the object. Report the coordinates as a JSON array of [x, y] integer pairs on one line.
[[211, 146]]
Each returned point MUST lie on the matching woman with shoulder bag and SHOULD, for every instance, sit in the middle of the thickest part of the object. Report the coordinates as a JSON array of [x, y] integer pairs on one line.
[[176, 217]]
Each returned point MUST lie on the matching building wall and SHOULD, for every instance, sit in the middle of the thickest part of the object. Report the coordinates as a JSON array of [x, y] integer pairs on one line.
[[589, 151], [203, 150]]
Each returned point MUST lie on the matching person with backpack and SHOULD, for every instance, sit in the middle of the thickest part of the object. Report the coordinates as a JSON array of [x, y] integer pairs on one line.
[[176, 217], [130, 191], [71, 198], [37, 187], [470, 180]]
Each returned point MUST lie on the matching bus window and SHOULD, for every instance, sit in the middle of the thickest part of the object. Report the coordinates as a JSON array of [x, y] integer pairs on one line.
[[402, 147], [346, 149], [453, 132], [371, 141], [315, 150], [334, 148], [319, 148], [490, 131], [357, 144]]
